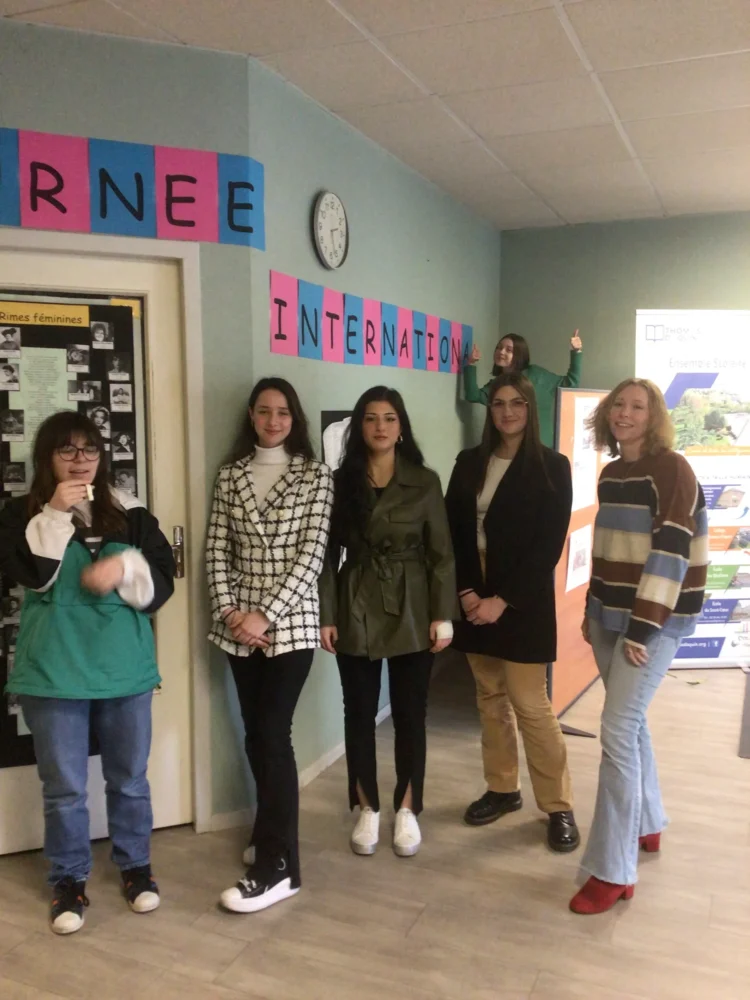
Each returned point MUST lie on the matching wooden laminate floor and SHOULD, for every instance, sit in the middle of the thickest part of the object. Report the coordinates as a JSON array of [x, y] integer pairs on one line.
[[478, 914]]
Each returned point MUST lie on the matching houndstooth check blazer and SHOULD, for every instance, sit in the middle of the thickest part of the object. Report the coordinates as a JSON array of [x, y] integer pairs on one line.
[[269, 558]]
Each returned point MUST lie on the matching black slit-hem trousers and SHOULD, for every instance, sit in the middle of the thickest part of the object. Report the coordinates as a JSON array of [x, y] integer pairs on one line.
[[409, 679], [268, 688]]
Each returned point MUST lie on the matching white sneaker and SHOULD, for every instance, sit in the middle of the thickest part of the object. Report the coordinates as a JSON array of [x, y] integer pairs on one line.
[[258, 891], [406, 834], [248, 856], [365, 834]]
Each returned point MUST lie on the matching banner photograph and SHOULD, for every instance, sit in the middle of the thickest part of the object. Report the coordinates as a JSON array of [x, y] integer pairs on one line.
[[698, 358]]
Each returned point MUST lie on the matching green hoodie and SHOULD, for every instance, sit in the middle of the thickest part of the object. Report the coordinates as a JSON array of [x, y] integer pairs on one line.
[[545, 385]]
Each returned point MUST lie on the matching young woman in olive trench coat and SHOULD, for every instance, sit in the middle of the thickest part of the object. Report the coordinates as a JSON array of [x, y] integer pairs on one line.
[[393, 598]]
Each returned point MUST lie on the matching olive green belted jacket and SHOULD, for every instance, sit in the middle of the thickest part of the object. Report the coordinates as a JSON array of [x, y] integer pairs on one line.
[[398, 575]]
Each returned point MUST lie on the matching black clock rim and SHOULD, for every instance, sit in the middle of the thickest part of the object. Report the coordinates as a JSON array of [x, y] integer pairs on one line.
[[316, 204]]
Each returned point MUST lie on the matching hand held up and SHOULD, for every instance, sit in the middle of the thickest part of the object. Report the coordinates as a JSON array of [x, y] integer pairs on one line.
[[68, 494]]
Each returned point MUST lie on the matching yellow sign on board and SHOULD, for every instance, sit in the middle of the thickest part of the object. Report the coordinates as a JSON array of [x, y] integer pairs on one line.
[[43, 314]]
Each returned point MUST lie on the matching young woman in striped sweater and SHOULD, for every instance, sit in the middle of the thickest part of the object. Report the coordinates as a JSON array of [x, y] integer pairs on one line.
[[647, 584]]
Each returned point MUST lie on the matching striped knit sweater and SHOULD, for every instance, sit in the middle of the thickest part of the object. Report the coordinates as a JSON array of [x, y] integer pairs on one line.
[[650, 548]]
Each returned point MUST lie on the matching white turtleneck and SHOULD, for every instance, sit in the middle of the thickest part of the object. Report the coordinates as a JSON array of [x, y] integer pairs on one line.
[[268, 465]]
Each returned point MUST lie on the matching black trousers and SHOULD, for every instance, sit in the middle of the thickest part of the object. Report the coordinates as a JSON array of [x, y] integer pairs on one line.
[[268, 689], [409, 679]]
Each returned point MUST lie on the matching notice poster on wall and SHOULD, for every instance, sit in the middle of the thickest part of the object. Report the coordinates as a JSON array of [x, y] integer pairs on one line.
[[699, 359]]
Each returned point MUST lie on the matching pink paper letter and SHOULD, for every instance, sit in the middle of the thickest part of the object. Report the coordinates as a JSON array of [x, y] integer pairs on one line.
[[371, 331], [187, 194], [284, 292], [333, 325], [54, 176]]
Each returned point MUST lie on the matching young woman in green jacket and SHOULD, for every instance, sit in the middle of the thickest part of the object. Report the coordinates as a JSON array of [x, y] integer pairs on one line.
[[393, 598], [512, 355], [94, 565]]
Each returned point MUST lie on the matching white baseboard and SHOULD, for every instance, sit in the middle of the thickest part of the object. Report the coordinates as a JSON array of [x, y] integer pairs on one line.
[[244, 817]]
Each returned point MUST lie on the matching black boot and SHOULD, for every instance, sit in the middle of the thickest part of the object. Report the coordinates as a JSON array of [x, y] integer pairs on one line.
[[562, 833], [492, 806]]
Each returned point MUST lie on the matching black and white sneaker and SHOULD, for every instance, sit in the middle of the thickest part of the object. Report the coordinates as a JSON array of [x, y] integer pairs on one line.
[[68, 901], [261, 887], [141, 892]]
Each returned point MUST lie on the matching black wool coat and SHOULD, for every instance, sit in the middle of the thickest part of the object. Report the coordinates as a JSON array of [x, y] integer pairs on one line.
[[526, 526]]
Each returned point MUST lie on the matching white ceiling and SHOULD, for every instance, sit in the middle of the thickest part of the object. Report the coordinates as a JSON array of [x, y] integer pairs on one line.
[[532, 112]]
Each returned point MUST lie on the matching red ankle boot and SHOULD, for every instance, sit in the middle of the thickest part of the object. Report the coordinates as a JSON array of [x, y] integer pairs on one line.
[[598, 897], [651, 843]]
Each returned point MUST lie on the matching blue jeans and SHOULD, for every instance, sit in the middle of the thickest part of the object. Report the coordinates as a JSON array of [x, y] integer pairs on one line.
[[60, 728], [628, 799]]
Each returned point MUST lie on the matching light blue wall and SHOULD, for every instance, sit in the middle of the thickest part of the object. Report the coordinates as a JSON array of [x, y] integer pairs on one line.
[[410, 245], [596, 276]]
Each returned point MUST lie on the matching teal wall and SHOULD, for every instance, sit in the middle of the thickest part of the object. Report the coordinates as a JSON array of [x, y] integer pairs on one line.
[[410, 245], [595, 277]]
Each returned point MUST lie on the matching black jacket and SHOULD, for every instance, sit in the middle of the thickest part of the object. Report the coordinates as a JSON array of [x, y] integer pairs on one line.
[[526, 526]]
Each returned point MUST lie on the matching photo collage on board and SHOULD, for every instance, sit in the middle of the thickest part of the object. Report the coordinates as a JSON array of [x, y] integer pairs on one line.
[[69, 357]]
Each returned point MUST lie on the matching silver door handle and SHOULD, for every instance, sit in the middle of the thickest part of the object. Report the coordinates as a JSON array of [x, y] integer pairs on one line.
[[178, 551]]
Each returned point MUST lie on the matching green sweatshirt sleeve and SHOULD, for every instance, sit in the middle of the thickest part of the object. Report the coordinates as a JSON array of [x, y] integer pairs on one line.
[[573, 377], [472, 392]]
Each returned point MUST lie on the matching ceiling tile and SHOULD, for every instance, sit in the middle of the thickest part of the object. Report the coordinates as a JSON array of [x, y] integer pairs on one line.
[[534, 107], [718, 181], [566, 148], [96, 16], [403, 125], [256, 27], [451, 161], [621, 33], [347, 76], [506, 212], [494, 53], [391, 17], [582, 210], [681, 134], [678, 88], [8, 7], [595, 188]]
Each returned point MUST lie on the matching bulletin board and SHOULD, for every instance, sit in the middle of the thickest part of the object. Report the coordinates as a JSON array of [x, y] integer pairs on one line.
[[575, 669], [63, 352]]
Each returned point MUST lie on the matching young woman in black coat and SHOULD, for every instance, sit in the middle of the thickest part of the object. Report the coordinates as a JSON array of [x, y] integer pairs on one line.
[[509, 504]]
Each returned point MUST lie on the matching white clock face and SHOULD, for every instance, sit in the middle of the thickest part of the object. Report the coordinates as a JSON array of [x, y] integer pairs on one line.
[[330, 230]]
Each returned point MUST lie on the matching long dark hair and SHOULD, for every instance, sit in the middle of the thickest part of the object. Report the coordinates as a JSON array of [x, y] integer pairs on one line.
[[531, 452], [521, 354], [297, 443], [351, 498], [55, 432]]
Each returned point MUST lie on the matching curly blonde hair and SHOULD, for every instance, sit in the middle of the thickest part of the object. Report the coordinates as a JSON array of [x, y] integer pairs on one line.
[[659, 433]]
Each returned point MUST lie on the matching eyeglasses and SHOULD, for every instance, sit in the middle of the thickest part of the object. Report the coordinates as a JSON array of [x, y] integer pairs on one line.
[[514, 405], [69, 452]]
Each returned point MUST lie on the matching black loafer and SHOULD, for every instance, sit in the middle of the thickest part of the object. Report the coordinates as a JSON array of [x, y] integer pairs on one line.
[[562, 833], [492, 806]]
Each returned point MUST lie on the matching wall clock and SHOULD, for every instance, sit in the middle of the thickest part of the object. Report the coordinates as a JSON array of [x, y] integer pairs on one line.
[[330, 230]]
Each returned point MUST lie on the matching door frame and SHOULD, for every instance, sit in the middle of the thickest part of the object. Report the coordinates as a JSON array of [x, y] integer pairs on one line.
[[187, 257]]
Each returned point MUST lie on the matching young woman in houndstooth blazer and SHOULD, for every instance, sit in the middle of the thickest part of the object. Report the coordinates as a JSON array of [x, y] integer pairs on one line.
[[266, 544], [393, 598]]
